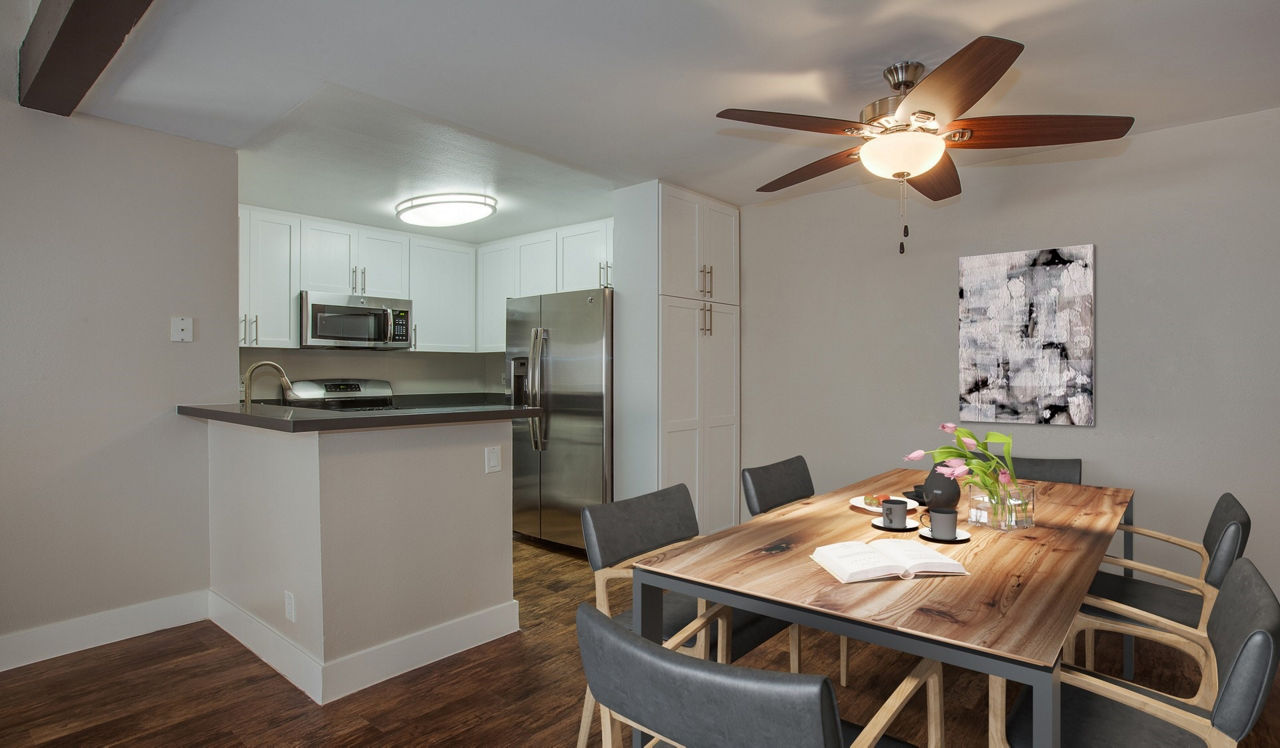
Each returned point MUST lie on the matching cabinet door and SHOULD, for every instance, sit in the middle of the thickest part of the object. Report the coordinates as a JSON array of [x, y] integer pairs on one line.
[[273, 273], [678, 263], [442, 285], [328, 257], [608, 252], [497, 279], [581, 256], [242, 321], [718, 436], [718, 251], [384, 264], [680, 331], [538, 264]]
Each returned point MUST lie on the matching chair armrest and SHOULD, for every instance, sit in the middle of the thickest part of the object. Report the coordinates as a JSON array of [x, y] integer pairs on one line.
[[622, 570], [1192, 723], [926, 673], [1191, 583], [715, 613], [1172, 540]]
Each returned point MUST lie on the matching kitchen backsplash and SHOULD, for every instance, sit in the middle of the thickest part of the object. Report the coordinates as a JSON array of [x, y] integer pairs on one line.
[[409, 373]]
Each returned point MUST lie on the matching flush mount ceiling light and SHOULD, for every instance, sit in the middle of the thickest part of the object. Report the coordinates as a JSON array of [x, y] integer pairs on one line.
[[901, 155], [446, 209]]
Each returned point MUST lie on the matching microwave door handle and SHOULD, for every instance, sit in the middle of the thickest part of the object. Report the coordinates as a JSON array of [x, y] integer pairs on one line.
[[390, 322]]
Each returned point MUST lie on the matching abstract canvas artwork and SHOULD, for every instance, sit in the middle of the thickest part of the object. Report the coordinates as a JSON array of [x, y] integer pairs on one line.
[[1026, 336]]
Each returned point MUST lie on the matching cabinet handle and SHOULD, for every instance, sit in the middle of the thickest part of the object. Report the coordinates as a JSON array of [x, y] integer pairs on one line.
[[600, 274], [711, 280], [244, 328], [353, 279], [702, 280], [255, 329], [364, 276], [711, 321], [415, 336]]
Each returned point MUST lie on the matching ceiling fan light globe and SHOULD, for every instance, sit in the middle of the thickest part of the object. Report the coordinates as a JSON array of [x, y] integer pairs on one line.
[[446, 209], [902, 153]]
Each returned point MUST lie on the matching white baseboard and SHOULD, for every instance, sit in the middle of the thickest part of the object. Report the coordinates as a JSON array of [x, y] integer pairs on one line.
[[350, 673], [272, 647], [64, 637]]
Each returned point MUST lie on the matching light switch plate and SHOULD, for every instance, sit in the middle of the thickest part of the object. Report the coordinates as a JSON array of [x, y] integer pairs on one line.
[[492, 459], [181, 329]]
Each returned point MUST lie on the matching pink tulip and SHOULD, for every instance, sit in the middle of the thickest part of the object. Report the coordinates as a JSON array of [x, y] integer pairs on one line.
[[950, 428], [969, 443], [1005, 478], [916, 455], [953, 473], [955, 462]]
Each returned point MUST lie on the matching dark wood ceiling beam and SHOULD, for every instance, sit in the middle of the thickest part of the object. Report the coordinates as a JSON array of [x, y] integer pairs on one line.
[[69, 44]]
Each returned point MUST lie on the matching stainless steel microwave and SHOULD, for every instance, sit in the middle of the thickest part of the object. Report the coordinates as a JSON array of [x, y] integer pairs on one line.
[[331, 320]]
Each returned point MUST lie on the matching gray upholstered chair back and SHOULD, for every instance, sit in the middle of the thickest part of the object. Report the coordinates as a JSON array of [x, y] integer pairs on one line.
[[1244, 630], [773, 485], [699, 703], [619, 530], [1062, 470], [1225, 537]]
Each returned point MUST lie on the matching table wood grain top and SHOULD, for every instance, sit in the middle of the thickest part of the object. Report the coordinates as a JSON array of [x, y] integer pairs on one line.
[[1023, 588]]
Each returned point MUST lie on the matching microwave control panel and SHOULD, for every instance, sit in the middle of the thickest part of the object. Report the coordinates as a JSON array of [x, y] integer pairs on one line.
[[399, 326]]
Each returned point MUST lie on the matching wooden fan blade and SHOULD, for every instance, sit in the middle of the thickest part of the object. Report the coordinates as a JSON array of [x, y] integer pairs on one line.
[[1021, 131], [940, 182], [958, 83], [799, 122], [815, 169]]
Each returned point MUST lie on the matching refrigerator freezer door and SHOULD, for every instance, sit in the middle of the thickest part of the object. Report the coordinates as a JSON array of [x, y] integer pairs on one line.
[[522, 317], [577, 462]]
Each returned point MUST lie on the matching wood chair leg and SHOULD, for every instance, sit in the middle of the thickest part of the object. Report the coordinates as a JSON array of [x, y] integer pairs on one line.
[[1069, 649], [1089, 651], [933, 696], [610, 729], [996, 713], [844, 661], [794, 631], [584, 727]]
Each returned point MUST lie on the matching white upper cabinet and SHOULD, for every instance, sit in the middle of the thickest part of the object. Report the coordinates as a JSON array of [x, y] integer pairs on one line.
[[537, 263], [269, 278], [442, 286], [698, 247], [497, 279], [347, 259], [583, 256]]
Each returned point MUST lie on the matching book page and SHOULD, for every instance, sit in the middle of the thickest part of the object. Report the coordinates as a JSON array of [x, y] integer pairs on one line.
[[854, 560], [915, 558]]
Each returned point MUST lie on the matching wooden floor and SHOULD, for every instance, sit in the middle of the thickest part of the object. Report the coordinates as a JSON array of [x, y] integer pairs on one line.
[[195, 685]]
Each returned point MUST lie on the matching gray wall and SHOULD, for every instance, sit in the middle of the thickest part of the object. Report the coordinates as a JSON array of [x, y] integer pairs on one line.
[[849, 349], [105, 232]]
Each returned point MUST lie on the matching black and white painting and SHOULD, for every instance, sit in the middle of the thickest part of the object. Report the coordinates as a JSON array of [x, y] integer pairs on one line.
[[1026, 336]]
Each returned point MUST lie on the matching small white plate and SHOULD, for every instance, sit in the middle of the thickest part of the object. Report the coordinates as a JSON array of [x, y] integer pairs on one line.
[[878, 523], [858, 502], [961, 536]]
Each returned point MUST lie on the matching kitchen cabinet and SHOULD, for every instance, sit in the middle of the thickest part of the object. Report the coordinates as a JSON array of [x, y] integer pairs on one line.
[[537, 263], [497, 279], [698, 386], [583, 255], [346, 259], [442, 285], [270, 259], [698, 246]]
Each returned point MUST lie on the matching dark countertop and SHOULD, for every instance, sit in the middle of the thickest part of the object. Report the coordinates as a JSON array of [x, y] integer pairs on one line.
[[412, 410]]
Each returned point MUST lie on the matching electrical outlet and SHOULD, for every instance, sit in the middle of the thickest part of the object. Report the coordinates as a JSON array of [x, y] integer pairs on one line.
[[492, 459], [290, 611], [181, 329]]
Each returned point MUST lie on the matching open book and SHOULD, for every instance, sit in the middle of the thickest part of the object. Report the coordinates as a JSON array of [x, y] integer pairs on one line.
[[854, 561]]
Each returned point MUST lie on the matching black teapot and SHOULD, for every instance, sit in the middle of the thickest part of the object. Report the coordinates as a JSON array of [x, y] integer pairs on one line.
[[939, 491]]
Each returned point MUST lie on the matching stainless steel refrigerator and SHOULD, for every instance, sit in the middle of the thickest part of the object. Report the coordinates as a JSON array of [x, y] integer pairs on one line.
[[560, 358]]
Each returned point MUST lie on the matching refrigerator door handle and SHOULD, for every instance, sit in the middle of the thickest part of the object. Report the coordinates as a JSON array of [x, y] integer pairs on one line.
[[537, 424]]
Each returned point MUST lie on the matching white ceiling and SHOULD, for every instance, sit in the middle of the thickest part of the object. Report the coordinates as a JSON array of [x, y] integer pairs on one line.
[[341, 108]]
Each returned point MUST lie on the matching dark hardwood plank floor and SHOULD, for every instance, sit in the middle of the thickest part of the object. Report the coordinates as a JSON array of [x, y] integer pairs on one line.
[[195, 685]]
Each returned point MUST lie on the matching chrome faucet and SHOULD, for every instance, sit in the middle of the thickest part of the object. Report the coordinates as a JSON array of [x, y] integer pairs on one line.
[[285, 384]]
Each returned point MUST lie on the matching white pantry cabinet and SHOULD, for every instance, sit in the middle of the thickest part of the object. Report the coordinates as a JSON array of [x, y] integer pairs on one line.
[[497, 279], [347, 259], [698, 246], [583, 255], [269, 278], [442, 285]]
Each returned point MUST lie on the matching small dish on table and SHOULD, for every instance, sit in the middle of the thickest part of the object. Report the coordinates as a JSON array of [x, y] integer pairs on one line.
[[863, 503]]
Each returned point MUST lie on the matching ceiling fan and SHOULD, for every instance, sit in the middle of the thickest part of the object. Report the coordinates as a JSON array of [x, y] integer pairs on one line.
[[906, 135]]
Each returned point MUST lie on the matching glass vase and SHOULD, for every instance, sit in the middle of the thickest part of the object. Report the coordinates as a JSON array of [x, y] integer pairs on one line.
[[1012, 509]]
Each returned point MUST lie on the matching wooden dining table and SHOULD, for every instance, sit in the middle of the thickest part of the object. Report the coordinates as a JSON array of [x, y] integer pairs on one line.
[[1009, 616]]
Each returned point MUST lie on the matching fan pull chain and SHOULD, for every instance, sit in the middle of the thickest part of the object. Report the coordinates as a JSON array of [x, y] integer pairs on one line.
[[902, 201]]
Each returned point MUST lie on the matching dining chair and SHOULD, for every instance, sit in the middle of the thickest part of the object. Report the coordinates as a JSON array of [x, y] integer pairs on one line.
[[771, 486], [1054, 469], [1191, 602], [1237, 654], [621, 532], [685, 701]]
